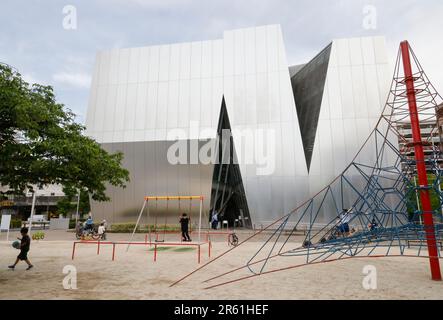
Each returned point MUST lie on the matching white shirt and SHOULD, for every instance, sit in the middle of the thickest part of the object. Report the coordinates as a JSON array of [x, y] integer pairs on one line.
[[101, 229], [345, 217]]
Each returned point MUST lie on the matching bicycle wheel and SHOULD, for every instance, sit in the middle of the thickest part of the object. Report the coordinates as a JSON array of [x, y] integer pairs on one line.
[[95, 236], [233, 239]]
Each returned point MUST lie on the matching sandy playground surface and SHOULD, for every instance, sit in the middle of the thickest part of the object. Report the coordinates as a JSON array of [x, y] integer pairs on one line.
[[134, 275]]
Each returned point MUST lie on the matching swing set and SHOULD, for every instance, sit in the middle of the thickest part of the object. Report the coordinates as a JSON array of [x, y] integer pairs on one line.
[[149, 199], [197, 245]]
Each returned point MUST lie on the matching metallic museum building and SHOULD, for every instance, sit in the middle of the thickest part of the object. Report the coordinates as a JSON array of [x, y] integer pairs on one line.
[[293, 128]]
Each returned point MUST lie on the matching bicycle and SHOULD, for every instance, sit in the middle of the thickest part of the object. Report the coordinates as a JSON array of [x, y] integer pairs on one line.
[[87, 234], [233, 239]]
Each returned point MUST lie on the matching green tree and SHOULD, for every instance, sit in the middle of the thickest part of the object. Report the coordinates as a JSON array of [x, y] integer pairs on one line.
[[434, 194], [41, 144], [69, 203]]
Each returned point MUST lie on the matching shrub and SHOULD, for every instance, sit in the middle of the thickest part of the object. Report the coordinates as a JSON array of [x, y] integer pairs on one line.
[[39, 235], [129, 227], [16, 223], [72, 223], [123, 227], [160, 228]]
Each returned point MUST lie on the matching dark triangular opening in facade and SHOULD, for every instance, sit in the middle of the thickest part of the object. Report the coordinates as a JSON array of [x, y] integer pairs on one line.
[[228, 197], [308, 83]]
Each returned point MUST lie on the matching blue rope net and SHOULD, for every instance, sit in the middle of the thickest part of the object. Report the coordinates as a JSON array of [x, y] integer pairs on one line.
[[374, 202], [372, 207]]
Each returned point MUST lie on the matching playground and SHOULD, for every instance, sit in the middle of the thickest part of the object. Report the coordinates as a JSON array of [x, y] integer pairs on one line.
[[386, 244], [134, 274]]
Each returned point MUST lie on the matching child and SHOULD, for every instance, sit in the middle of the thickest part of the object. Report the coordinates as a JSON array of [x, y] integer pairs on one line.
[[373, 225], [184, 221], [344, 219], [24, 248], [102, 231]]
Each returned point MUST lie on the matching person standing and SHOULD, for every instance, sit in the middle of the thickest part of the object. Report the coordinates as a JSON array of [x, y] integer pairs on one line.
[[214, 220], [25, 244], [102, 231], [184, 222]]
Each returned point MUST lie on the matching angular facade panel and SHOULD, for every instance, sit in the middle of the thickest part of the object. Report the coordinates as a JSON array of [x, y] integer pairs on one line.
[[308, 84]]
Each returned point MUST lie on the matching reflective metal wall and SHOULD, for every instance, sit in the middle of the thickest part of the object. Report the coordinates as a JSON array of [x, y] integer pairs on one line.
[[356, 89], [139, 95], [150, 174]]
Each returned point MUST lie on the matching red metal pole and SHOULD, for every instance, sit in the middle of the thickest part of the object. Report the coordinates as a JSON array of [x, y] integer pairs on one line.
[[155, 252], [73, 250], [98, 247], [421, 167], [209, 249]]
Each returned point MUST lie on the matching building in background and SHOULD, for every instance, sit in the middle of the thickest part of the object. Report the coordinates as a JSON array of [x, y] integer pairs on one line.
[[301, 125], [19, 206], [431, 134], [439, 113]]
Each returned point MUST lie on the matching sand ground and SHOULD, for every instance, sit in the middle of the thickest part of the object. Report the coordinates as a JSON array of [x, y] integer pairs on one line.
[[134, 275]]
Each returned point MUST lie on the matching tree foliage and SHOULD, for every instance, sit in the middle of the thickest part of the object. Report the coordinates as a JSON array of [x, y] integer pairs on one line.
[[68, 204], [434, 194], [41, 144]]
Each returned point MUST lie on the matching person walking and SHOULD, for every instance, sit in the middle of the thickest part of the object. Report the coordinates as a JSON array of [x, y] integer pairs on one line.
[[25, 244]]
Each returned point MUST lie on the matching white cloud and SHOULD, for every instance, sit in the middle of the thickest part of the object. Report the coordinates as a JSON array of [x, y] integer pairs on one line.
[[163, 4], [79, 80], [65, 59], [31, 79]]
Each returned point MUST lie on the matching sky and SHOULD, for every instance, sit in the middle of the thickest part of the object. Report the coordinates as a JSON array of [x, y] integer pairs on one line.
[[34, 39]]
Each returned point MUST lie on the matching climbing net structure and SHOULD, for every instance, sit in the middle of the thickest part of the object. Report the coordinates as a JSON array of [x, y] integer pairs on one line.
[[383, 215]]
